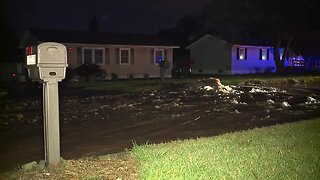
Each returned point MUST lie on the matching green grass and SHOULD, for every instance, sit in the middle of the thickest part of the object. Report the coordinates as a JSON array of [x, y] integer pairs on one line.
[[148, 85], [124, 86], [290, 151], [128, 86], [2, 93]]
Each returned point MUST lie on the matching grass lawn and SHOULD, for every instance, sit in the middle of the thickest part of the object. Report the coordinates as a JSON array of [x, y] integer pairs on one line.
[[289, 151], [129, 86], [148, 85], [2, 93]]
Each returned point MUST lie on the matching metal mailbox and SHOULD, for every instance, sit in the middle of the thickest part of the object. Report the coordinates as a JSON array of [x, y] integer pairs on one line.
[[47, 61]]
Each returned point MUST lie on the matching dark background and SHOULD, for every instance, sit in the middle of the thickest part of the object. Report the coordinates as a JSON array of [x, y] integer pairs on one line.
[[140, 16], [292, 24]]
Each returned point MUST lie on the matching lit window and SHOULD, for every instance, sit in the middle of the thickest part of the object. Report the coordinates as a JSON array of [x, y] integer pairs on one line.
[[264, 54], [158, 56], [297, 63], [242, 53], [124, 56], [93, 55]]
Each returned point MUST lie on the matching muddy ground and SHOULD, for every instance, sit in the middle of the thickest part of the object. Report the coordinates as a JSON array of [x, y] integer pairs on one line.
[[99, 123]]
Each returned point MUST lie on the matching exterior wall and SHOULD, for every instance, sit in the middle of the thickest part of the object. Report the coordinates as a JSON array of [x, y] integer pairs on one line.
[[252, 64], [211, 56], [142, 66], [312, 63]]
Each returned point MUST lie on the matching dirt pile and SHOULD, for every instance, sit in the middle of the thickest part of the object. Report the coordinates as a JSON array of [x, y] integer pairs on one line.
[[216, 85]]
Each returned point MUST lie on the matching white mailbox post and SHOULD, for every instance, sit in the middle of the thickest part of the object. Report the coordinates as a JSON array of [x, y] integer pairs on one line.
[[47, 64]]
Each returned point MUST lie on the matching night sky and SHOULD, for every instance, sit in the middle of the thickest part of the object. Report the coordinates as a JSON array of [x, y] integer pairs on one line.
[[138, 16]]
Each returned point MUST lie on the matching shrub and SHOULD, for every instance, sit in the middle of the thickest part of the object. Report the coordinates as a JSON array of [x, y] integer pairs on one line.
[[269, 70], [146, 76], [69, 73], [114, 76], [131, 76], [89, 71]]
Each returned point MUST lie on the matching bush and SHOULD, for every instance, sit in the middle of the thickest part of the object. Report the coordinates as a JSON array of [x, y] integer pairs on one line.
[[89, 71], [69, 73], [114, 76], [146, 76], [131, 76]]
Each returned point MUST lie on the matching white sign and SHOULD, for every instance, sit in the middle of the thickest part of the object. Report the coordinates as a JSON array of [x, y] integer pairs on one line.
[[31, 59]]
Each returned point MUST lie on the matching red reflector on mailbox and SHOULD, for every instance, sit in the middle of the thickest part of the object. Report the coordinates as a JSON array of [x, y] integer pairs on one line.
[[28, 51]]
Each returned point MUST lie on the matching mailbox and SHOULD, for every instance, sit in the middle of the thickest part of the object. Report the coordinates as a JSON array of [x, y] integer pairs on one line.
[[47, 61], [47, 64]]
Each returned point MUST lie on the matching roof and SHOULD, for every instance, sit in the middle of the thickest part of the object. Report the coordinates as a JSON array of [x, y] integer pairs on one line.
[[244, 41], [82, 37], [207, 36]]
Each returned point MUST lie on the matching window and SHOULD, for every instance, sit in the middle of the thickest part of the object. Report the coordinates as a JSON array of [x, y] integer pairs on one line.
[[158, 55], [264, 54], [98, 56], [93, 55], [124, 56], [294, 62], [242, 53], [87, 56]]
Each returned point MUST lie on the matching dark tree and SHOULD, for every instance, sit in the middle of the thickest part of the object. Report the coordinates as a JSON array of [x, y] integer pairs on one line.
[[227, 19], [307, 41], [94, 24], [9, 42], [187, 29], [284, 22]]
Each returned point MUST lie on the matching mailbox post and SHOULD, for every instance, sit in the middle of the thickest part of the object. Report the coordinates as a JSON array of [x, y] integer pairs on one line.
[[47, 64], [163, 64]]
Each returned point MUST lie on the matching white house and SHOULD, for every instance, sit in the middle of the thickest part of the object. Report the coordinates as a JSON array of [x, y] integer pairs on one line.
[[212, 55]]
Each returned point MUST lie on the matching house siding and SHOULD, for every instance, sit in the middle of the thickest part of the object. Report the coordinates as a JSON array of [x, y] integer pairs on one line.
[[252, 63], [211, 56], [138, 68]]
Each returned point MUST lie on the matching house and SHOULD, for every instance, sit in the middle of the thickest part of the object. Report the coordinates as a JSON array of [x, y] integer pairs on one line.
[[212, 55], [312, 63], [119, 54]]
